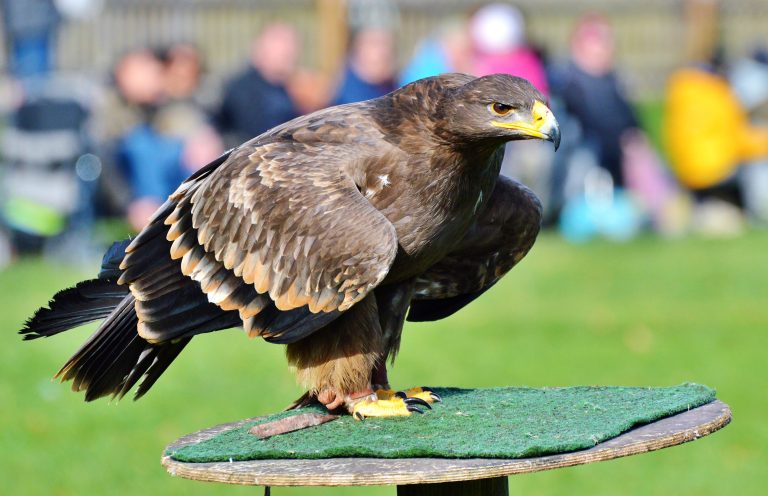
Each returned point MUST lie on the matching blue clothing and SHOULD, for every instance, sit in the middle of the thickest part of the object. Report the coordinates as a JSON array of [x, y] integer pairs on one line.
[[253, 105], [354, 89], [30, 30], [31, 56], [430, 59], [151, 162]]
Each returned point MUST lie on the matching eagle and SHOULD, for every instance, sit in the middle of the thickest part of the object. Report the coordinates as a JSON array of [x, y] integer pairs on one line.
[[323, 234]]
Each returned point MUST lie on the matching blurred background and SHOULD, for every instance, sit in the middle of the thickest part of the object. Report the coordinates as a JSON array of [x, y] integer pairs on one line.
[[650, 270]]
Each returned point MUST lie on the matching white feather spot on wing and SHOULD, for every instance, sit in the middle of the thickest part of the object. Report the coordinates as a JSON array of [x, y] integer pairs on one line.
[[478, 202]]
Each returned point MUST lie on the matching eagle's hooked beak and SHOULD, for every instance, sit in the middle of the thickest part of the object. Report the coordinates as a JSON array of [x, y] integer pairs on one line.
[[542, 125]]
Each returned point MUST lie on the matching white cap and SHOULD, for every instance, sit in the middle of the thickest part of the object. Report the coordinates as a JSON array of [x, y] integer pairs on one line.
[[497, 28]]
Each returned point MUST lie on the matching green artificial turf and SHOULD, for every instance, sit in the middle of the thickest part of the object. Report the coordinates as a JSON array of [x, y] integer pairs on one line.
[[485, 423]]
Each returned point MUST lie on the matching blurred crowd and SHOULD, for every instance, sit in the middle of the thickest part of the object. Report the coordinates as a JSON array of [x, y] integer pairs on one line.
[[70, 160]]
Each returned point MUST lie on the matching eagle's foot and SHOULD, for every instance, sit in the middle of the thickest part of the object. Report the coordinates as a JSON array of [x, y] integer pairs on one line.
[[393, 406], [422, 393]]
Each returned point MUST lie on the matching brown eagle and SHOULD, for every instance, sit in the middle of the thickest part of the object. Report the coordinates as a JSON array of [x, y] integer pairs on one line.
[[321, 234]]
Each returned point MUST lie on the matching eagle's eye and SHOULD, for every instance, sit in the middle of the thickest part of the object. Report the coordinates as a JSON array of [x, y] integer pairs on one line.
[[500, 109]]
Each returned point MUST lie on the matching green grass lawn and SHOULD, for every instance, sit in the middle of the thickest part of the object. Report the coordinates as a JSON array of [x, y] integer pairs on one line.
[[652, 312]]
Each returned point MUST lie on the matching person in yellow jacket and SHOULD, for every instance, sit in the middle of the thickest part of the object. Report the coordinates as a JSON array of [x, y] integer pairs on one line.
[[707, 131]]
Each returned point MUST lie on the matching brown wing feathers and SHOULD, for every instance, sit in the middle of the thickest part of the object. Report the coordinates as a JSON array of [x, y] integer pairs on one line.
[[499, 239], [253, 235], [274, 233]]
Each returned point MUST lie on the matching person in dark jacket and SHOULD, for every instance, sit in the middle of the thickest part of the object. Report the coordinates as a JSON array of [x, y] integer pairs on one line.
[[592, 94], [257, 99], [370, 69]]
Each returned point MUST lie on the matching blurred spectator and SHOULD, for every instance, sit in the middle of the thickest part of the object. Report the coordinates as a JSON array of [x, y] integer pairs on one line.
[[497, 33], [30, 30], [749, 79], [42, 191], [592, 94], [445, 51], [139, 78], [138, 90], [163, 135], [709, 136], [610, 182], [148, 159], [707, 130], [370, 69], [310, 90], [183, 114], [652, 185], [257, 99], [182, 72]]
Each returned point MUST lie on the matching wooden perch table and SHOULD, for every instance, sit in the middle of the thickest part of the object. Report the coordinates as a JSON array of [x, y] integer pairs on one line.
[[443, 476]]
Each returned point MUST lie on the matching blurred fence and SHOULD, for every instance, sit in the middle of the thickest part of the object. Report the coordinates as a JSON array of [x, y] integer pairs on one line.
[[651, 33]]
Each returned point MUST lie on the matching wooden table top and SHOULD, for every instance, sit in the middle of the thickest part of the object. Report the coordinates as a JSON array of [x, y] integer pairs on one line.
[[677, 429]]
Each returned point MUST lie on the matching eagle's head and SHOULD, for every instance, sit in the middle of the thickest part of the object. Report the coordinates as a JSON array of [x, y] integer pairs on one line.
[[500, 108]]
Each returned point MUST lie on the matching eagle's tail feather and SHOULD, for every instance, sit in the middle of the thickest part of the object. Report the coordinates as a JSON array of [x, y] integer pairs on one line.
[[115, 357], [72, 307]]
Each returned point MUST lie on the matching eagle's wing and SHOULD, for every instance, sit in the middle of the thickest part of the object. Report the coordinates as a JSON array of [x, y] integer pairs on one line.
[[500, 237], [277, 232]]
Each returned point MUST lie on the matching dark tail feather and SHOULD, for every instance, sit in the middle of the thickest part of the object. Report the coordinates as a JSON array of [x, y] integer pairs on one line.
[[110, 263], [86, 302], [156, 362], [115, 357], [73, 307]]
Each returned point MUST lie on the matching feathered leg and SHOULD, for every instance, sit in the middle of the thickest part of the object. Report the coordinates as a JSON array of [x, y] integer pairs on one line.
[[336, 363], [343, 365]]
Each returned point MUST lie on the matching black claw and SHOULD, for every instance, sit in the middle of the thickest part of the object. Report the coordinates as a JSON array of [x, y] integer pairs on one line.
[[435, 397], [413, 409], [401, 395], [359, 416], [417, 401]]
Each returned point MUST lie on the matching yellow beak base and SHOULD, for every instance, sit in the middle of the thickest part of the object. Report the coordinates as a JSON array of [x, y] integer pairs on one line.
[[543, 124]]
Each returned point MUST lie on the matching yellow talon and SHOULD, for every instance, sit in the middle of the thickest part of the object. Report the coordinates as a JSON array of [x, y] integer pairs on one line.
[[381, 408], [423, 394], [390, 403], [385, 394]]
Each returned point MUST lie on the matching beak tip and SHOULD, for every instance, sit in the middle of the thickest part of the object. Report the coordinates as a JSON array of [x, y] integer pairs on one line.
[[553, 135], [549, 125]]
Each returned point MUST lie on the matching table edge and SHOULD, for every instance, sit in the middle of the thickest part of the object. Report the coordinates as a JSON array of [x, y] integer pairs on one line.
[[670, 431]]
